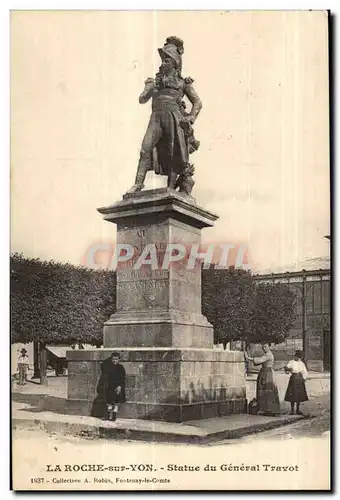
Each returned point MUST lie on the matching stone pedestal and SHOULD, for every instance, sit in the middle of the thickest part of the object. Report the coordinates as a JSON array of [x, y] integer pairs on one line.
[[173, 373], [158, 305], [174, 385]]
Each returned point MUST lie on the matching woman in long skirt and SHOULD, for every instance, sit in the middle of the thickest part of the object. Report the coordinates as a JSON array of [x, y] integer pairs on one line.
[[267, 394], [296, 390]]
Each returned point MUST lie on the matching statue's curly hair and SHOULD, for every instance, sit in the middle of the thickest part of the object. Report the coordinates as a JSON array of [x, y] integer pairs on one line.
[[174, 40]]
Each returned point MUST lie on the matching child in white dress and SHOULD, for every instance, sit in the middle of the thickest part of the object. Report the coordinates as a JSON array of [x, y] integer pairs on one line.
[[296, 391]]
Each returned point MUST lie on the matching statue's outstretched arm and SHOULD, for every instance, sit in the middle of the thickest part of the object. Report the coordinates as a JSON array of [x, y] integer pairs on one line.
[[195, 101], [148, 91]]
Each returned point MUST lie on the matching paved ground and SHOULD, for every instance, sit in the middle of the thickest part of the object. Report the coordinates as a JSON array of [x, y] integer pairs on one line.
[[195, 431], [304, 444], [318, 426]]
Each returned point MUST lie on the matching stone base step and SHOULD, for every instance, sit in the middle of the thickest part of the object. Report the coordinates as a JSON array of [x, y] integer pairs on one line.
[[202, 431]]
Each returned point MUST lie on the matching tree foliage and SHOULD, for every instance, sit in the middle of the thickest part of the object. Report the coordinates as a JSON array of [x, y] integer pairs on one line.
[[240, 309], [59, 303], [274, 313], [227, 302]]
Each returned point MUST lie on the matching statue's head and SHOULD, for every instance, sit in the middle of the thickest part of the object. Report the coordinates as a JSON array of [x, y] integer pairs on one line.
[[171, 54], [168, 65]]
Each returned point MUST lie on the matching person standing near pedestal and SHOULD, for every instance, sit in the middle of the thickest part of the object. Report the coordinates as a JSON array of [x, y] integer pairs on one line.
[[296, 391], [267, 394], [110, 389]]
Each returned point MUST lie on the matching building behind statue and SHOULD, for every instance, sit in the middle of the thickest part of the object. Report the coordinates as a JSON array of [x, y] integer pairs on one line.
[[312, 329]]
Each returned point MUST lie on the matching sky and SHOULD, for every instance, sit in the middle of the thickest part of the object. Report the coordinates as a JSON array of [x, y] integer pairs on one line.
[[77, 126]]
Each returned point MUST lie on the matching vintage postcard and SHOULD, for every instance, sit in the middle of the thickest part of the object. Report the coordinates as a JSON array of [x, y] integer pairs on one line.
[[170, 250]]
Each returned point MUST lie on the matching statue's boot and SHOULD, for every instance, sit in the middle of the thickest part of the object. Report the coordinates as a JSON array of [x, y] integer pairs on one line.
[[140, 176]]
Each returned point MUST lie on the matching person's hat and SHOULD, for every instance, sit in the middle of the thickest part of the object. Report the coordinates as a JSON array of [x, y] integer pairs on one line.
[[299, 354], [23, 351], [174, 49]]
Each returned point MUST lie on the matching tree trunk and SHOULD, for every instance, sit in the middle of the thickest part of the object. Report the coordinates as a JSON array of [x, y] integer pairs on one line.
[[36, 373], [43, 364], [246, 363]]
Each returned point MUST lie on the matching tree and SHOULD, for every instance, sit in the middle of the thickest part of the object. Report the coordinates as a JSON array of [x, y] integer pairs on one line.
[[227, 301], [241, 310], [58, 303], [274, 313]]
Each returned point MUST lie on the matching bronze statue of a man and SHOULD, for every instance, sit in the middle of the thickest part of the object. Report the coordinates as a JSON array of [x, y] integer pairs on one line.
[[169, 138]]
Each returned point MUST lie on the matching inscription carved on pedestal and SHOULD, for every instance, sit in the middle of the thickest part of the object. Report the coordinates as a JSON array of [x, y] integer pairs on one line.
[[144, 286], [142, 294], [142, 274]]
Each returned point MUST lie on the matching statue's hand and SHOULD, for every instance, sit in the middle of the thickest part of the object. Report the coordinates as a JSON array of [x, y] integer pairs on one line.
[[147, 92], [190, 119], [149, 81], [149, 84], [186, 123], [158, 80]]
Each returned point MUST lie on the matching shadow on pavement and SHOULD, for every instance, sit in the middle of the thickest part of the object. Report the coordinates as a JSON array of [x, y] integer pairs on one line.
[[41, 402]]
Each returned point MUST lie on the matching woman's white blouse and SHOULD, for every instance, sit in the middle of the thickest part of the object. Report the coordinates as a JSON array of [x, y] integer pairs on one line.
[[298, 367]]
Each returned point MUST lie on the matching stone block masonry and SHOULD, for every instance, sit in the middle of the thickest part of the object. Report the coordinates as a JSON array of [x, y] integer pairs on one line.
[[173, 373], [173, 385]]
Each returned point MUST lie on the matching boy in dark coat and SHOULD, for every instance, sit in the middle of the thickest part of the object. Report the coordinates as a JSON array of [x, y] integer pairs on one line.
[[110, 389]]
